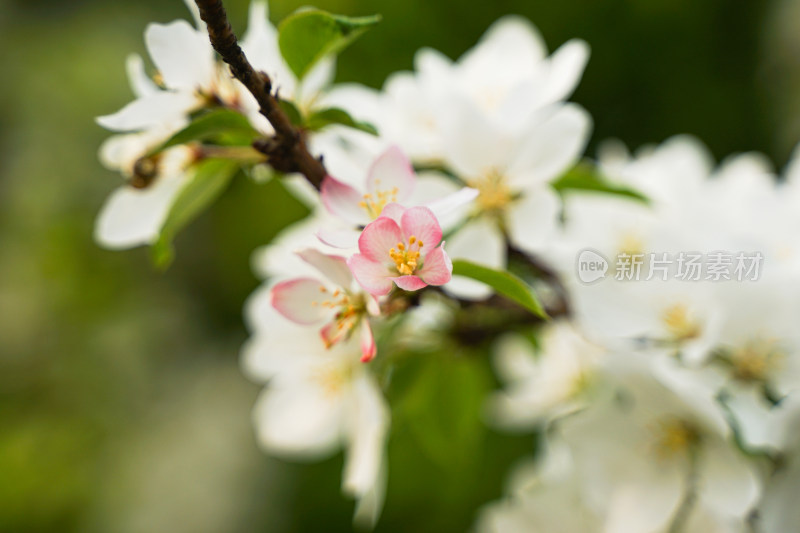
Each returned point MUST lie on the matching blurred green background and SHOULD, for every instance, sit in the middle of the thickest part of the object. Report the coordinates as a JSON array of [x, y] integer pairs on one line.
[[122, 408]]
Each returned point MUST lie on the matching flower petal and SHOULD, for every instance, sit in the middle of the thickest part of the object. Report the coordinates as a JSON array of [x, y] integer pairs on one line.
[[392, 170], [565, 70], [551, 147], [368, 347], [479, 241], [438, 269], [132, 217], [150, 111], [371, 275], [393, 211], [300, 300], [409, 283], [141, 84], [533, 220], [343, 201], [378, 238], [343, 239], [182, 54], [422, 224], [333, 267], [298, 419]]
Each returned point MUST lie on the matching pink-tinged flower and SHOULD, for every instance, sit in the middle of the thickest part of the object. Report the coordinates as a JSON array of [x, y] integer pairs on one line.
[[390, 179], [402, 247], [333, 303]]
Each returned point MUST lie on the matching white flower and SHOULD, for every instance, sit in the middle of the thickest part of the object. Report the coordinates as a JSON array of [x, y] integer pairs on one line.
[[317, 400], [545, 385], [506, 76], [543, 497], [659, 450]]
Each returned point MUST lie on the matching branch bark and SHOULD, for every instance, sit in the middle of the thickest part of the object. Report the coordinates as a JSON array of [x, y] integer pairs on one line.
[[287, 151]]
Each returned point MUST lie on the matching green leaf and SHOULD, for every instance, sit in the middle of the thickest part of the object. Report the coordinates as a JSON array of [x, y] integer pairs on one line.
[[211, 177], [585, 177], [307, 36], [504, 283], [295, 117], [335, 115], [226, 125]]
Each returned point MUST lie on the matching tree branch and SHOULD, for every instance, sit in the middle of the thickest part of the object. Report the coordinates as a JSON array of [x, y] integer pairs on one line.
[[286, 151]]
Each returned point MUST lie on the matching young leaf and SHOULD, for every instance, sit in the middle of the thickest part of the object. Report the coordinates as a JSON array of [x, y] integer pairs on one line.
[[335, 115], [211, 177], [585, 177], [307, 36], [217, 124], [295, 117], [504, 283]]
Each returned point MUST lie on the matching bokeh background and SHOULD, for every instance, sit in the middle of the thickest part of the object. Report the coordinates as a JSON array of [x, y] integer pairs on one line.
[[122, 408]]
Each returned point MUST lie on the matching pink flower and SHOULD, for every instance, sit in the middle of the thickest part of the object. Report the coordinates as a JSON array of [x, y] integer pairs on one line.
[[403, 247], [333, 304], [390, 179]]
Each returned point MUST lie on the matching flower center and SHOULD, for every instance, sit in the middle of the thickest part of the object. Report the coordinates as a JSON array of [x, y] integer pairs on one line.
[[373, 203], [333, 378], [755, 360], [349, 308], [679, 323], [406, 258], [674, 437], [493, 192], [631, 244]]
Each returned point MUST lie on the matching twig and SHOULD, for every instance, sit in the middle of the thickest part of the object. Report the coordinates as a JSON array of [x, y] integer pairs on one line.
[[286, 151]]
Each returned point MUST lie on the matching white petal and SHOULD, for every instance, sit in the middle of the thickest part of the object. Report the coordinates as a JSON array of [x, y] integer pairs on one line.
[[481, 242], [317, 79], [729, 483], [640, 507], [133, 217], [195, 14], [369, 424], [473, 144], [298, 420], [551, 147], [151, 111], [533, 219], [182, 54], [565, 70], [141, 84]]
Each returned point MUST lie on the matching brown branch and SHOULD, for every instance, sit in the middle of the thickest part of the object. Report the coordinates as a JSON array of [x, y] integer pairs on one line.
[[286, 151]]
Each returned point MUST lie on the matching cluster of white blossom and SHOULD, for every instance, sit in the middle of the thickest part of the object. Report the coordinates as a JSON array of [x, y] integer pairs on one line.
[[662, 405], [665, 405]]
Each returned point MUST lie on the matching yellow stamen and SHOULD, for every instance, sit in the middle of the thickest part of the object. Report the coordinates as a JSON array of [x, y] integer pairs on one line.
[[406, 260], [674, 437], [373, 204], [679, 323], [754, 360], [493, 192]]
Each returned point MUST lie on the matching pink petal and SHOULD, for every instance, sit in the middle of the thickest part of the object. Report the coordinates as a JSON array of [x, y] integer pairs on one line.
[[343, 201], [338, 238], [378, 238], [438, 269], [295, 299], [333, 267], [421, 223], [392, 170], [372, 276], [393, 211], [410, 283], [331, 333], [368, 347]]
